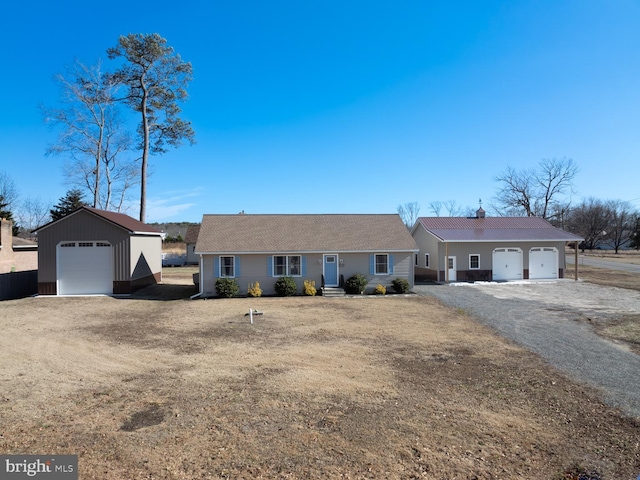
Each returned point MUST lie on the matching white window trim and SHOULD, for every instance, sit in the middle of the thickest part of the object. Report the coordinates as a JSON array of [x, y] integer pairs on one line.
[[221, 266], [474, 255], [427, 260], [287, 267], [375, 263]]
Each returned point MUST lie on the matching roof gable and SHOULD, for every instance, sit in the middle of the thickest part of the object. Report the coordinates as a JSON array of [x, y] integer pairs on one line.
[[192, 234], [492, 229], [118, 219], [303, 233]]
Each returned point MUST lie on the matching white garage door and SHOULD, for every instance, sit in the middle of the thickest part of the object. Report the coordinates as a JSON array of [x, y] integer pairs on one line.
[[84, 268], [507, 264], [543, 262]]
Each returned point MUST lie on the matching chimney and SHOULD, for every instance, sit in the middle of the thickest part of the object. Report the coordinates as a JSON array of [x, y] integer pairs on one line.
[[6, 237]]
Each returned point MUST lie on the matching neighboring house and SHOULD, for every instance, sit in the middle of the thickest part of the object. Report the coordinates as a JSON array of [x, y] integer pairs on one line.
[[190, 238], [489, 249], [93, 251], [16, 254], [327, 249]]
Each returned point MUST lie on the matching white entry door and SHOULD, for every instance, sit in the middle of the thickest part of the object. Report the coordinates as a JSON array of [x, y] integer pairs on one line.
[[507, 264], [450, 262], [543, 262], [84, 268]]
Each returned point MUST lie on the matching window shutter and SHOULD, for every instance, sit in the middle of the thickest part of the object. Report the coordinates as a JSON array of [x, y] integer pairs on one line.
[[304, 266], [237, 266], [372, 264], [269, 266], [216, 266], [390, 264]]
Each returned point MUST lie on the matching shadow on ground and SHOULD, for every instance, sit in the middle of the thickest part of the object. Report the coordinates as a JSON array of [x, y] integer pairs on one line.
[[165, 291]]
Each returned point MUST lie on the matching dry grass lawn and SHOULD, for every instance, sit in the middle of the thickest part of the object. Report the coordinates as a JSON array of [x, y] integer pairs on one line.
[[374, 387]]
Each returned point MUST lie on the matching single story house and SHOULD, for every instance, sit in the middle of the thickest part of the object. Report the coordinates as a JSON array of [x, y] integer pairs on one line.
[[190, 238], [327, 249], [93, 251], [16, 254], [490, 248]]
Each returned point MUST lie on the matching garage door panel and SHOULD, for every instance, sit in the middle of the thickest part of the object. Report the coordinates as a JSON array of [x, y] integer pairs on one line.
[[507, 264], [85, 268], [543, 263]]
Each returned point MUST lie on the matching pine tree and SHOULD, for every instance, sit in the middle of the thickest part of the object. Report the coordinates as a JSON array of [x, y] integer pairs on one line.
[[7, 215], [72, 201]]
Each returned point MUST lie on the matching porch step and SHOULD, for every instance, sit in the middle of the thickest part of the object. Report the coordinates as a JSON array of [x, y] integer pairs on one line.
[[333, 292]]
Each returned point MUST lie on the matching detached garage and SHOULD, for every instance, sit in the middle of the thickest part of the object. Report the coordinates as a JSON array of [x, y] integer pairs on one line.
[[93, 251], [482, 248]]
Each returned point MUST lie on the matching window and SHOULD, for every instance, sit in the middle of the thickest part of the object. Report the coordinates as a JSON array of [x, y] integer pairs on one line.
[[382, 264], [426, 260], [474, 262], [416, 259], [226, 267], [287, 265], [102, 244], [85, 244], [69, 244]]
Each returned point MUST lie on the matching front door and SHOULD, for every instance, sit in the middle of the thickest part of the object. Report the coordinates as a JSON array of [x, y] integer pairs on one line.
[[451, 265], [330, 270]]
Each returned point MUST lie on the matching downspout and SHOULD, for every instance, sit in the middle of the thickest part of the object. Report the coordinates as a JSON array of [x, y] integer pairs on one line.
[[200, 269], [575, 244]]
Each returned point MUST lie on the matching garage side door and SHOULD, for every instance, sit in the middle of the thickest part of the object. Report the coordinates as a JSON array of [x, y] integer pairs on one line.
[[543, 262], [84, 268], [507, 264]]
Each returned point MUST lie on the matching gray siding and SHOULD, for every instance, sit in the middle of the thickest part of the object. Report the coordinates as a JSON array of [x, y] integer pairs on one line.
[[253, 268]]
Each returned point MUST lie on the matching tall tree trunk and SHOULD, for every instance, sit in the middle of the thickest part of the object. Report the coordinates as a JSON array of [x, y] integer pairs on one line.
[[145, 155]]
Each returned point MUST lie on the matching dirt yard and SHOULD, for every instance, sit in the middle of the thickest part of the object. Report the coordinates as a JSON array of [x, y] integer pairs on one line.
[[373, 387]]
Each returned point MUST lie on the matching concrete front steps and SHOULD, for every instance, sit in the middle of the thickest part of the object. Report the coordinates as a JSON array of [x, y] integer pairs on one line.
[[333, 292]]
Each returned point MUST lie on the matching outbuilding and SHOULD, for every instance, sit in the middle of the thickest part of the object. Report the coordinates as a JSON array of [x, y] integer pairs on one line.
[[490, 248], [92, 251]]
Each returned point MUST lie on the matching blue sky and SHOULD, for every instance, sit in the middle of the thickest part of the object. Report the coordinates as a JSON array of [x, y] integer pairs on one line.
[[348, 106]]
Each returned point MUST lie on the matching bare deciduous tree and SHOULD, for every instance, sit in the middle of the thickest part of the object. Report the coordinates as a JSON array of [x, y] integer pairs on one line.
[[590, 220], [32, 213], [621, 223], [91, 134], [409, 213], [8, 190], [538, 192]]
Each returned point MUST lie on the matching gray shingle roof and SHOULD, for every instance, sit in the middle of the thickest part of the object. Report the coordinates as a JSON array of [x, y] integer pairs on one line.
[[494, 229], [192, 234], [244, 233]]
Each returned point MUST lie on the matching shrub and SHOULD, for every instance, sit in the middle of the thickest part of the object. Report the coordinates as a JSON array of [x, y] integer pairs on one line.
[[254, 290], [380, 290], [227, 287], [310, 287], [286, 286], [400, 285], [356, 284]]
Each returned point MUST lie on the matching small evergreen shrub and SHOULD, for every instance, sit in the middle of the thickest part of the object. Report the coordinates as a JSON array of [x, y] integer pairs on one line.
[[380, 290], [227, 287], [254, 290], [355, 284], [310, 287], [400, 285], [286, 286]]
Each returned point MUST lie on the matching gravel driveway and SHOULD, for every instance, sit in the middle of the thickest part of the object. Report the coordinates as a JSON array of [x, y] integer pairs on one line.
[[552, 319]]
